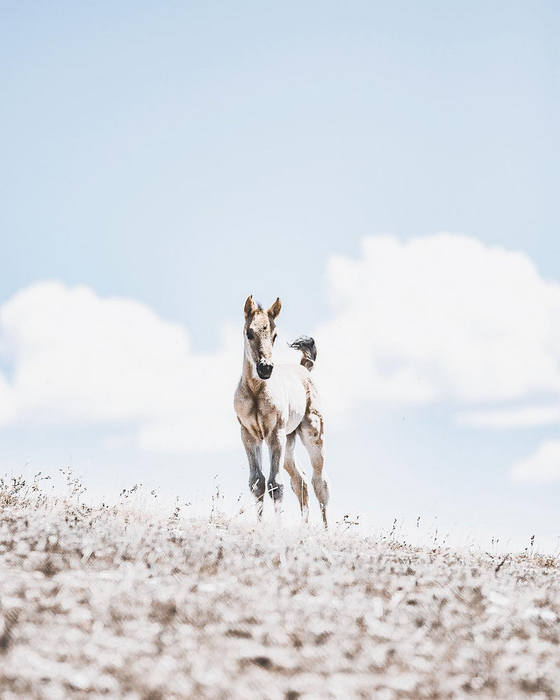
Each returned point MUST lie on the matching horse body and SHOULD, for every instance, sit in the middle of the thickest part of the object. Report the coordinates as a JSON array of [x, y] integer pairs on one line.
[[279, 402], [273, 405]]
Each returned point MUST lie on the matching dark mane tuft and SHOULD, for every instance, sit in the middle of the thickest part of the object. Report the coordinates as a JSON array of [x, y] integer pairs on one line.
[[308, 349]]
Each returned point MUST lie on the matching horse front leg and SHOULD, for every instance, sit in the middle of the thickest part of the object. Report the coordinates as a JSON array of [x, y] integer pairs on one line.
[[253, 448], [277, 448]]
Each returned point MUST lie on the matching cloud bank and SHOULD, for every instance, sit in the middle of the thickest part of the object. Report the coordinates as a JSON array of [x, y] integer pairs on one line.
[[442, 318], [522, 417], [542, 467], [439, 318], [78, 358]]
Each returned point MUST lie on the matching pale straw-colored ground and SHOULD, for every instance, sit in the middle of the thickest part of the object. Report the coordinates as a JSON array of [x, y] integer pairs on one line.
[[120, 602]]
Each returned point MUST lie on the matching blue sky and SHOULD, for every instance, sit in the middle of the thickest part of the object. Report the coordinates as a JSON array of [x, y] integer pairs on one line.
[[183, 155]]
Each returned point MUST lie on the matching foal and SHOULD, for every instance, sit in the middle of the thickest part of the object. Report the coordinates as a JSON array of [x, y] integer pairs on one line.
[[274, 404]]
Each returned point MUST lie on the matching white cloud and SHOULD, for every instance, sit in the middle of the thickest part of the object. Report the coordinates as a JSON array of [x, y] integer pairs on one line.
[[524, 417], [79, 358], [439, 317], [543, 466]]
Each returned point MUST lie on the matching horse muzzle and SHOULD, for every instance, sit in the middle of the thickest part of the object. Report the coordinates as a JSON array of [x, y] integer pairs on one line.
[[264, 370]]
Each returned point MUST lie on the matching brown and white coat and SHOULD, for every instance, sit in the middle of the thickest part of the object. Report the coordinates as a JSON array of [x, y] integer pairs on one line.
[[274, 404]]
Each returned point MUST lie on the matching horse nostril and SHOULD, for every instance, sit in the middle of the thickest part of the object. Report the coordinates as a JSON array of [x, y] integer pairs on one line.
[[264, 370]]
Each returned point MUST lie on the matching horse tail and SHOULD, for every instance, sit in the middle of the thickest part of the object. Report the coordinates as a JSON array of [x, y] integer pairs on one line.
[[308, 350]]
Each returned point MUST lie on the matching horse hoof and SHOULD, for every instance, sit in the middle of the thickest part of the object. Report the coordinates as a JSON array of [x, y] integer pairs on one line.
[[275, 490]]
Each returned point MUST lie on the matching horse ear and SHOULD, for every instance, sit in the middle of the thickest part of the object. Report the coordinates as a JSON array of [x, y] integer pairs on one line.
[[250, 306], [275, 309]]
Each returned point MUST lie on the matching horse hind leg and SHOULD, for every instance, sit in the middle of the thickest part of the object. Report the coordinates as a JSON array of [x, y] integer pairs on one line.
[[299, 487], [311, 433]]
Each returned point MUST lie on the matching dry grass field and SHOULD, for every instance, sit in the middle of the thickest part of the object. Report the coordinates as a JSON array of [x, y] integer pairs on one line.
[[116, 601]]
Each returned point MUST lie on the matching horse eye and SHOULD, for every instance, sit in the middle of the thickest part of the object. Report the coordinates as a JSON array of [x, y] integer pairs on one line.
[[274, 338], [250, 334]]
